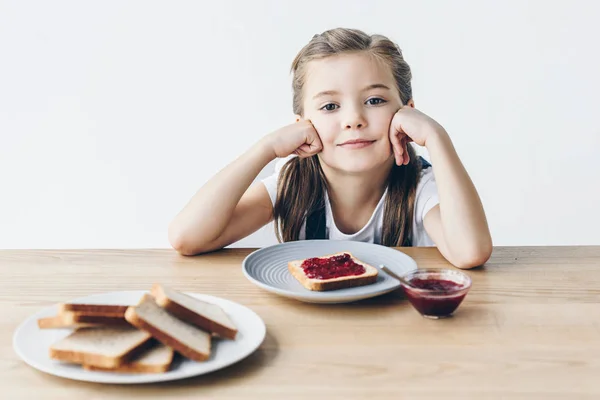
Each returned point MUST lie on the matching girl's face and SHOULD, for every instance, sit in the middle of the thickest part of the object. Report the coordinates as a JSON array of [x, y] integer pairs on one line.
[[351, 100]]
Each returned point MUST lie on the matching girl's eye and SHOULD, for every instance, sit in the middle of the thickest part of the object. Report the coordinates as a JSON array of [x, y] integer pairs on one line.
[[375, 101], [329, 107]]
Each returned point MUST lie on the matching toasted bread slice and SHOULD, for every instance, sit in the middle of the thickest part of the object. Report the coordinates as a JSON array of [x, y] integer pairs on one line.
[[101, 347], [206, 316], [185, 338], [93, 309], [155, 360], [369, 276], [71, 319], [59, 322]]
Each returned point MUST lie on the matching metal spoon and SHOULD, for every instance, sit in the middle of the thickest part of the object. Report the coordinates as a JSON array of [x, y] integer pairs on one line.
[[394, 275]]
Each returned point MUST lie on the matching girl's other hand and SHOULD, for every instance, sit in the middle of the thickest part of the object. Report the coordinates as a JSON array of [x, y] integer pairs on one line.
[[410, 125], [299, 138]]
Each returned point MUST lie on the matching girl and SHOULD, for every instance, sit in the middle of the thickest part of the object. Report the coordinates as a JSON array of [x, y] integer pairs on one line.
[[347, 168]]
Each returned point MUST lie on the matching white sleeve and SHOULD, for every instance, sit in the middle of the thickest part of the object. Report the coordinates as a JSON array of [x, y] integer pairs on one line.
[[270, 182], [426, 196]]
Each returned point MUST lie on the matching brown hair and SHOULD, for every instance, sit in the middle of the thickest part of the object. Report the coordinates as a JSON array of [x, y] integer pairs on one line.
[[301, 186]]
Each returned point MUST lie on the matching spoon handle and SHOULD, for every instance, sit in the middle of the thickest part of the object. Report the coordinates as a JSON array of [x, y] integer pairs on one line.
[[394, 275]]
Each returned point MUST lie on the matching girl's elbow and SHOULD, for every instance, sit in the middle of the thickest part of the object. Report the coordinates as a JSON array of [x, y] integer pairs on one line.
[[475, 258], [186, 245], [179, 246], [184, 251], [469, 263], [181, 243]]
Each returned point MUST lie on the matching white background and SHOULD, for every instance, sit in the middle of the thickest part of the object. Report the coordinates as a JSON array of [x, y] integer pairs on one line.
[[113, 113]]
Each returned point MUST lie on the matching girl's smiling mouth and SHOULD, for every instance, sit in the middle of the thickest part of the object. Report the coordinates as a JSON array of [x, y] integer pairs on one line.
[[356, 144]]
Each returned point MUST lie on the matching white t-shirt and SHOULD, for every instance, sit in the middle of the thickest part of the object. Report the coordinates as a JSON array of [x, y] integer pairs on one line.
[[426, 199]]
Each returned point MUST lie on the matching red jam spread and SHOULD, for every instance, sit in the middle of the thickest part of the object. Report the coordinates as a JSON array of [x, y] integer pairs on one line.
[[332, 267], [440, 302]]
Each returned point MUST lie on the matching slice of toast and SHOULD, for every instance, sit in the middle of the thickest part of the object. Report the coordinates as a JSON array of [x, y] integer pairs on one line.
[[71, 319], [101, 347], [93, 309], [206, 316], [185, 338], [58, 322], [155, 360], [368, 277]]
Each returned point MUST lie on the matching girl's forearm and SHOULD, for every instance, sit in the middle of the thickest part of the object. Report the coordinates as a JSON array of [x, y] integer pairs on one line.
[[463, 219], [209, 211]]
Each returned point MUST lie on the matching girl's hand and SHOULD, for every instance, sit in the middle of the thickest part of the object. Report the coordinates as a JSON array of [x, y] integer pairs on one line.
[[299, 138], [410, 125]]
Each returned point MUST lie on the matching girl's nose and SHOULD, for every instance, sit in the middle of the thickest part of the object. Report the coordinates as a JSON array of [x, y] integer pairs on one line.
[[349, 126], [354, 120]]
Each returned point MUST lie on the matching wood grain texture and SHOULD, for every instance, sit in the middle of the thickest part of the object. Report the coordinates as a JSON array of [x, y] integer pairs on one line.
[[529, 328]]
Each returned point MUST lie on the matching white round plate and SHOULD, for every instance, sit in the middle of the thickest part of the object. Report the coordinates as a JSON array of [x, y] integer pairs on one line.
[[32, 344], [268, 268]]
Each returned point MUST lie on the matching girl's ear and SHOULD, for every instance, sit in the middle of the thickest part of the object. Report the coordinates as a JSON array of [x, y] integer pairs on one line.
[[298, 117], [411, 103]]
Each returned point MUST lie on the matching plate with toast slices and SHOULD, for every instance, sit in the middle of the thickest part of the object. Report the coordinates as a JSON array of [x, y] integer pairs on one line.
[[326, 271], [139, 336]]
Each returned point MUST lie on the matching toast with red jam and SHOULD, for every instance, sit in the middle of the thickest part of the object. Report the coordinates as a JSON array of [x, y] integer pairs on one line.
[[332, 272]]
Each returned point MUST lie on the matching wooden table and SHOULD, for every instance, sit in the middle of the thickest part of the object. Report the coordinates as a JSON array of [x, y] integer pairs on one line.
[[529, 328]]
